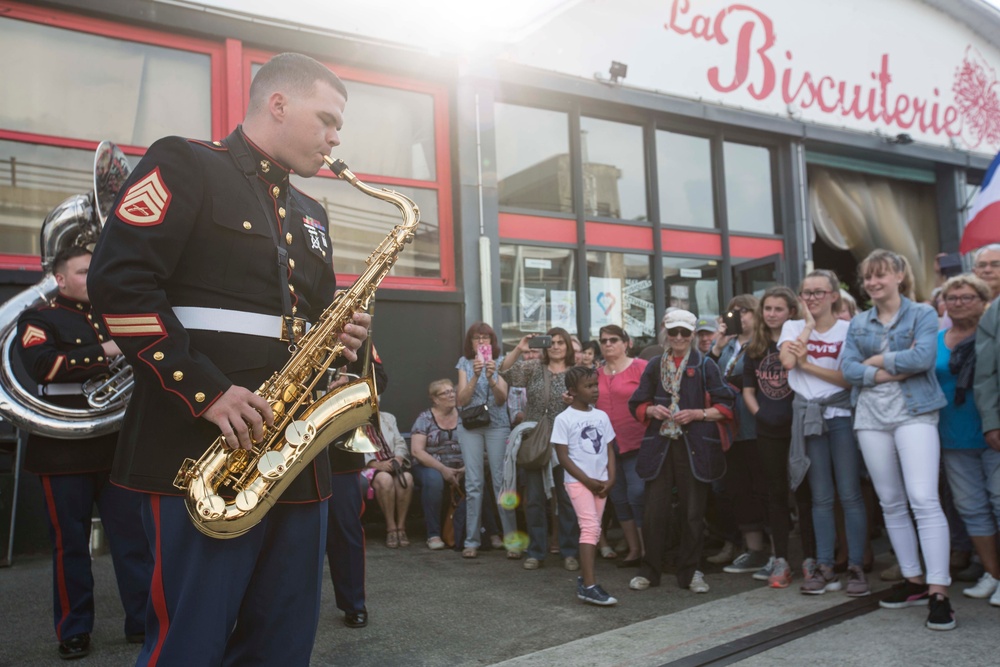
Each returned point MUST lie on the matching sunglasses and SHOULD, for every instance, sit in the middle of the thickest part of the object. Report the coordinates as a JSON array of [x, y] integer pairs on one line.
[[680, 331], [610, 341]]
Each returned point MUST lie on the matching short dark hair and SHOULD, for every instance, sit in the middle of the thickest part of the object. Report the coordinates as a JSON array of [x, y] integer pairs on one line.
[[615, 330], [66, 254], [469, 350], [562, 333], [577, 374], [294, 72]]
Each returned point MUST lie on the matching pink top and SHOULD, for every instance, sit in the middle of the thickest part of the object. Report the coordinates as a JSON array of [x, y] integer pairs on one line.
[[615, 392]]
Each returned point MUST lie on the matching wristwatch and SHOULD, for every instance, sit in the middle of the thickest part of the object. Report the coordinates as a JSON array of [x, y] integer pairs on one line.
[[704, 415]]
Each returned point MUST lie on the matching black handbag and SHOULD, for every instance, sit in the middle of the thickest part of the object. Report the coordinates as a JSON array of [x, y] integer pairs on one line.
[[475, 416]]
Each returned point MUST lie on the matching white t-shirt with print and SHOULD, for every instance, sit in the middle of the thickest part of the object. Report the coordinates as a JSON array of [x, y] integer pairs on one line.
[[824, 350], [587, 434]]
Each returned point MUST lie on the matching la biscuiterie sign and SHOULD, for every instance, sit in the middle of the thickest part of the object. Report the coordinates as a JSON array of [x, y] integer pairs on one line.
[[886, 66]]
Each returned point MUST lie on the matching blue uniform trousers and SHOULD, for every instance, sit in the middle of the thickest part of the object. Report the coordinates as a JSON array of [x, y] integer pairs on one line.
[[345, 542], [249, 600], [69, 503]]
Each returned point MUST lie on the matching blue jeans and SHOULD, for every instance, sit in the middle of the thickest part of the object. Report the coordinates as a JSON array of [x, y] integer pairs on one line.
[[536, 514], [974, 476], [627, 493], [492, 441], [835, 456], [431, 485]]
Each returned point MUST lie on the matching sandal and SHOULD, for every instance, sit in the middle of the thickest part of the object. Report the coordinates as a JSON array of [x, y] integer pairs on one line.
[[608, 553], [470, 552], [392, 539], [404, 541], [496, 542]]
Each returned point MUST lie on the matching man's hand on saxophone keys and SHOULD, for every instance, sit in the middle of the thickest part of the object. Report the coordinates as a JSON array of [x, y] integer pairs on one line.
[[240, 415], [355, 334]]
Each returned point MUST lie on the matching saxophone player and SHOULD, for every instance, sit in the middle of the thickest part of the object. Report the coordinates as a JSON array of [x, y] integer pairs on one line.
[[62, 345], [208, 252]]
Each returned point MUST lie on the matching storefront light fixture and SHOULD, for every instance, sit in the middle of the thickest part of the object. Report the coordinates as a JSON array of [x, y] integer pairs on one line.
[[615, 74], [901, 139]]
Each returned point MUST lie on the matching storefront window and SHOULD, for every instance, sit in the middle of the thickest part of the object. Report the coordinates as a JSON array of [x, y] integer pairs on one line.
[[621, 293], [359, 223], [684, 167], [749, 189], [65, 83], [692, 284], [537, 290], [34, 179], [533, 167], [614, 178]]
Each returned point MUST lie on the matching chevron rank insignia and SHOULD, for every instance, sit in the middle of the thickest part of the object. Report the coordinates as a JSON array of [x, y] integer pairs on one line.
[[145, 204], [33, 336]]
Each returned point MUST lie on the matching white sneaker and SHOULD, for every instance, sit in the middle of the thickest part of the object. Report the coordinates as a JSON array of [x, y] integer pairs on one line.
[[698, 584], [984, 588], [995, 599], [639, 583]]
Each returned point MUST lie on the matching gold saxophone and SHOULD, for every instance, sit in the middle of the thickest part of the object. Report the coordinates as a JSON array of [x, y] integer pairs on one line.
[[303, 427]]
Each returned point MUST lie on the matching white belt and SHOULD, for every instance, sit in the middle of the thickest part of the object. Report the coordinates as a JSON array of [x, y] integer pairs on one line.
[[61, 389], [231, 321]]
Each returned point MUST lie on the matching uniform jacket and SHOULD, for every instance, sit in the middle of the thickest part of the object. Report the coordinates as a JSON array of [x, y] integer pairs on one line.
[[60, 343], [987, 385], [912, 349], [701, 438], [187, 229]]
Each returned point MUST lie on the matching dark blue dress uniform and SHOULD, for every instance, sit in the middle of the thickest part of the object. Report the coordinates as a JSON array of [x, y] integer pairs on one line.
[[60, 347], [192, 231], [345, 540]]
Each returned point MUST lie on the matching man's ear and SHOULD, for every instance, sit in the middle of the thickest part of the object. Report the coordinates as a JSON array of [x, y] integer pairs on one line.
[[60, 280], [277, 104]]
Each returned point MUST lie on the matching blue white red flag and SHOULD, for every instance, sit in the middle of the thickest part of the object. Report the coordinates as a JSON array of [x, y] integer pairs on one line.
[[984, 215]]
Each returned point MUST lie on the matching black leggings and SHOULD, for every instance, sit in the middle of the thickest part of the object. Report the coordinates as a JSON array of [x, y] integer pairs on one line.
[[773, 455]]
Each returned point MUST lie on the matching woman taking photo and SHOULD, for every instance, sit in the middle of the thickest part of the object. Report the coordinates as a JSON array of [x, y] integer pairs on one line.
[[532, 376], [889, 359], [769, 399], [680, 449], [811, 350], [618, 379], [479, 384], [437, 456]]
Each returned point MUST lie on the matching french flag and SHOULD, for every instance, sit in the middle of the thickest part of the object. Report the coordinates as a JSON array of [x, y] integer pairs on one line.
[[984, 216]]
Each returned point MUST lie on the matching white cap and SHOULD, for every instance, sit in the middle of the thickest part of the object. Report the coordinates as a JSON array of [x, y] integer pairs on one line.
[[680, 318]]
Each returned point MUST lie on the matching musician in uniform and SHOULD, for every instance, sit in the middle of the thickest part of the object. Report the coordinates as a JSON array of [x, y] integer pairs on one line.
[[62, 345], [207, 253]]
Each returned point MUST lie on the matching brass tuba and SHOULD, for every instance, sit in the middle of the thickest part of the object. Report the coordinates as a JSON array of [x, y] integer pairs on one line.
[[75, 222], [303, 426]]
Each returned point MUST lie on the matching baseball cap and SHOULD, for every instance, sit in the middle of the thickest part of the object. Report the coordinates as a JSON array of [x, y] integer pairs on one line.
[[705, 325], [679, 318]]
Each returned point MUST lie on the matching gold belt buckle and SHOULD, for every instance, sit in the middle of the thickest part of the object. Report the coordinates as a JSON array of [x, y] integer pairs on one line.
[[298, 328]]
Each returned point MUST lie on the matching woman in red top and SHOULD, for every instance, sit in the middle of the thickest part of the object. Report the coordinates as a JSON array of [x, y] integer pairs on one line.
[[618, 379]]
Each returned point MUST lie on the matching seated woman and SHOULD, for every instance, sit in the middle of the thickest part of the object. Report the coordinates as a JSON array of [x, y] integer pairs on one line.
[[391, 482], [437, 455]]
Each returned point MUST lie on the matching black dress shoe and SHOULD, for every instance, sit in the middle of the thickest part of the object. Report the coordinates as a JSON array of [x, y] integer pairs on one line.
[[77, 646], [630, 562], [356, 619]]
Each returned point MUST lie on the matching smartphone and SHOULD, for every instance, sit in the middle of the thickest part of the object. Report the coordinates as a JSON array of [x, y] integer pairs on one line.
[[734, 325], [484, 352], [540, 342]]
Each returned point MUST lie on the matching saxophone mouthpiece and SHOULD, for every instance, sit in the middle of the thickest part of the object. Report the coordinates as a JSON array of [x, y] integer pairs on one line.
[[337, 166]]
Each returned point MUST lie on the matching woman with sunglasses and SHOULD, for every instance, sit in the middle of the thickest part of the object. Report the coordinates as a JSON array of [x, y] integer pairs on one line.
[[618, 379], [889, 359], [681, 449], [811, 350], [437, 456]]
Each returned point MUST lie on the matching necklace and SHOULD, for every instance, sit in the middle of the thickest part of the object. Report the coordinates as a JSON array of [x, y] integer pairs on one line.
[[614, 371]]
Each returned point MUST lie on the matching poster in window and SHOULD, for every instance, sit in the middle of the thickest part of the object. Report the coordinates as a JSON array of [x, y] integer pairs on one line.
[[564, 309], [605, 303], [532, 301], [680, 296], [638, 309]]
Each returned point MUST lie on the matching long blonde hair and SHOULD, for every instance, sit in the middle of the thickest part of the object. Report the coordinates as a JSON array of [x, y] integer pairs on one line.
[[761, 340], [889, 262]]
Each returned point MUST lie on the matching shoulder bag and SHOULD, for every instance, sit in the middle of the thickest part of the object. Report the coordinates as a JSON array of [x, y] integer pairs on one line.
[[536, 446]]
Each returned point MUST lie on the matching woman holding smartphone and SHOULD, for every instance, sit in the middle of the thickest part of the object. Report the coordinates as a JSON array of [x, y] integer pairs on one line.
[[889, 359]]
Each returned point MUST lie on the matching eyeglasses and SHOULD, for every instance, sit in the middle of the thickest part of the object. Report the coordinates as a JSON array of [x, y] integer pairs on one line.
[[444, 392], [485, 338], [610, 341], [995, 265], [964, 299], [814, 294], [739, 311], [679, 331]]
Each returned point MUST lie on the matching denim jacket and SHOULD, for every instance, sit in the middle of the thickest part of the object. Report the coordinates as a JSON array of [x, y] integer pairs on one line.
[[912, 349]]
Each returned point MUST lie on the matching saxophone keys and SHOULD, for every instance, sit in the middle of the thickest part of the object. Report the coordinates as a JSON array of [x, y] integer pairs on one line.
[[246, 500], [211, 507], [272, 465], [298, 433]]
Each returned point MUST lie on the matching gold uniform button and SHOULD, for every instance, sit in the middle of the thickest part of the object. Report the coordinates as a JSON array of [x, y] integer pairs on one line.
[[78, 341], [281, 213], [72, 361], [199, 397], [86, 360], [90, 317], [178, 376], [100, 337], [158, 356], [217, 143], [100, 358], [79, 306], [265, 166], [291, 288], [275, 191], [291, 263], [247, 225], [295, 309], [324, 252], [288, 238]]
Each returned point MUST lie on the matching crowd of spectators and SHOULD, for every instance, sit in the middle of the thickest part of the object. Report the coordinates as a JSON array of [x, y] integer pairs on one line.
[[784, 413]]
